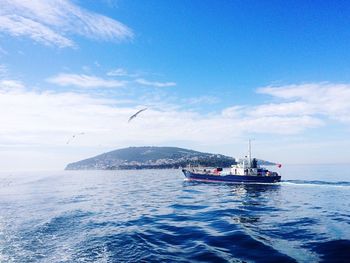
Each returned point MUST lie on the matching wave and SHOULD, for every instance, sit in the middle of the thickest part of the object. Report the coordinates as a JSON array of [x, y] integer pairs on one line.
[[315, 182], [154, 217]]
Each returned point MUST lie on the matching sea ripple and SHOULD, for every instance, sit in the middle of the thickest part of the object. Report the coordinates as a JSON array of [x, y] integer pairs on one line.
[[156, 216]]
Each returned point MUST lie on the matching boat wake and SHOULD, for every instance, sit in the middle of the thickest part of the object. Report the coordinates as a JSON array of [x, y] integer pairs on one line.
[[315, 183]]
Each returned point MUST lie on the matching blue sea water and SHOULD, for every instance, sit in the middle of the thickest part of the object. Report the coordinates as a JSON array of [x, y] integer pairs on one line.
[[156, 216]]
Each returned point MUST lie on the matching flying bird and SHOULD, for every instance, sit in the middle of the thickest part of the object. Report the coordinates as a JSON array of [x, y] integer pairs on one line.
[[137, 113], [74, 136]]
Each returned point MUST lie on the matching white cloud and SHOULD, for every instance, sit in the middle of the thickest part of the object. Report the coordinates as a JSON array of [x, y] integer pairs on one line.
[[46, 120], [10, 84], [203, 100], [294, 108], [234, 112], [327, 99], [120, 72], [50, 22], [67, 112], [155, 83], [280, 125], [84, 81], [20, 26]]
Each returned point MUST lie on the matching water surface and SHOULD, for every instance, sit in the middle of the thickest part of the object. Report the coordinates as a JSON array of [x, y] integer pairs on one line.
[[156, 216]]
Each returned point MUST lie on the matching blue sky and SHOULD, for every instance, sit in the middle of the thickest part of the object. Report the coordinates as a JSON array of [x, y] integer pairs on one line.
[[212, 74]]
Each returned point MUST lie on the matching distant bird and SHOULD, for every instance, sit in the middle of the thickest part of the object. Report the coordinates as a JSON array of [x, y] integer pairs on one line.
[[75, 135], [137, 113]]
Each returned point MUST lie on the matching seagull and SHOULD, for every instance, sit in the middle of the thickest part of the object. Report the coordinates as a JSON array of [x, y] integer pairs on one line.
[[137, 113], [75, 135]]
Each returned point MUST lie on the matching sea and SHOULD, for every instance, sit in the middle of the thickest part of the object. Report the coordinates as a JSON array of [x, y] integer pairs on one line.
[[157, 216]]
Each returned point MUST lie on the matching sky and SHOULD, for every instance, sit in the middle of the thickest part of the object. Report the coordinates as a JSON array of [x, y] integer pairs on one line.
[[212, 74]]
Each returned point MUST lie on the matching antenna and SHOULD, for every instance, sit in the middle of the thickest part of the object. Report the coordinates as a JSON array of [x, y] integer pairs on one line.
[[250, 153]]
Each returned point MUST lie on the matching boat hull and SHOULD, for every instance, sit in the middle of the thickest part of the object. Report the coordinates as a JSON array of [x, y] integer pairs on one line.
[[230, 178]]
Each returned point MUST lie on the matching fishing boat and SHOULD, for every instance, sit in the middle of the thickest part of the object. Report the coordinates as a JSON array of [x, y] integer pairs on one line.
[[246, 170]]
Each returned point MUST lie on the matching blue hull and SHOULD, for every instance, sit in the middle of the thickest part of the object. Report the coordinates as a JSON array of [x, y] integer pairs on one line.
[[230, 178]]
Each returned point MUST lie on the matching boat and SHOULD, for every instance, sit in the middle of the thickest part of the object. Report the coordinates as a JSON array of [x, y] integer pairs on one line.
[[246, 170]]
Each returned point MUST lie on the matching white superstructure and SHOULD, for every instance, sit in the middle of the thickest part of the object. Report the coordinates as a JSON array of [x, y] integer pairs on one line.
[[248, 166]]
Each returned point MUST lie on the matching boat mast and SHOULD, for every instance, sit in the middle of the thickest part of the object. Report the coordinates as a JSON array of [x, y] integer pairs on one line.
[[250, 153]]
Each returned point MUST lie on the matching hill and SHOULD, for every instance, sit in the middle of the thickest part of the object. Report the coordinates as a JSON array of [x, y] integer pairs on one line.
[[150, 158]]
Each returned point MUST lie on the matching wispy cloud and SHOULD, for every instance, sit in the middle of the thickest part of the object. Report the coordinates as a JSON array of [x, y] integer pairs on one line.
[[47, 119], [66, 112], [205, 100], [21, 26], [325, 99], [291, 117], [118, 72], [52, 22], [235, 112], [10, 84], [155, 83], [294, 108], [84, 81]]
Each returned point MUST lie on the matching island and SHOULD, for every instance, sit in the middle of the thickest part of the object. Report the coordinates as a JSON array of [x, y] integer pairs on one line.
[[151, 157]]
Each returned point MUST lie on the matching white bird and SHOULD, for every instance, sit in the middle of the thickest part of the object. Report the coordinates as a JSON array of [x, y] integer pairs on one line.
[[75, 135], [137, 113]]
